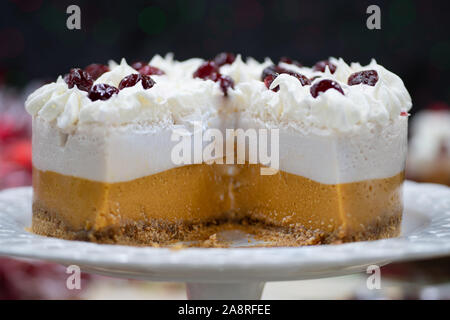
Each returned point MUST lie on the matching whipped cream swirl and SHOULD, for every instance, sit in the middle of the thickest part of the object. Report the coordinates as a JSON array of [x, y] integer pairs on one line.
[[178, 97], [293, 103]]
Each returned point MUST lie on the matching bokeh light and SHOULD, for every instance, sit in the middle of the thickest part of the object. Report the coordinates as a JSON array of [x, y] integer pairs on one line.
[[12, 43], [28, 5], [152, 20]]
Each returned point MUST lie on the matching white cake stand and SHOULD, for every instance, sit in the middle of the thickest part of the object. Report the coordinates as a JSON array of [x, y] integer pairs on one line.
[[235, 273]]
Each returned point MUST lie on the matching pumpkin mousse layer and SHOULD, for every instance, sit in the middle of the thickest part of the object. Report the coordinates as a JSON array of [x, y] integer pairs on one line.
[[168, 206]]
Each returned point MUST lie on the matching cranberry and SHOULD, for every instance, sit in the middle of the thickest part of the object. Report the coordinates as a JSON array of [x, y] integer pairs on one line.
[[149, 70], [102, 91], [369, 77], [270, 70], [268, 81], [132, 79], [290, 61], [208, 70], [320, 66], [274, 71], [79, 78], [225, 83], [224, 58], [96, 70], [303, 80], [323, 86], [138, 65]]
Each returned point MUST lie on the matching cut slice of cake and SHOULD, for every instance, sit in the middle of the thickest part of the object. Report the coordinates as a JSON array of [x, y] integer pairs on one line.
[[107, 141]]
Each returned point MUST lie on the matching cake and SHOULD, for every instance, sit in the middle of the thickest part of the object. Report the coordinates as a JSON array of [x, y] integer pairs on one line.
[[429, 151], [107, 165]]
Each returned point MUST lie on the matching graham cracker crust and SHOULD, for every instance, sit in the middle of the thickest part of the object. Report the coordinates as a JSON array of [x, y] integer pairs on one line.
[[209, 233]]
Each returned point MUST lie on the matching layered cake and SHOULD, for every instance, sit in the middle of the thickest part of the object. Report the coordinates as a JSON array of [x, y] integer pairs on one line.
[[159, 152], [429, 151]]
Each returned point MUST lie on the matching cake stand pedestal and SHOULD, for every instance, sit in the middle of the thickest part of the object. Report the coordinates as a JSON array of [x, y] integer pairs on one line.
[[235, 273]]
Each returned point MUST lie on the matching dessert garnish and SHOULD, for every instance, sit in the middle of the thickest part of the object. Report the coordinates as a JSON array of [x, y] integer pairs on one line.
[[268, 81], [321, 65], [102, 91], [303, 80], [225, 83], [80, 78], [209, 70], [369, 77], [146, 69], [224, 58], [96, 70], [323, 86], [290, 61], [149, 70], [132, 79], [138, 65], [271, 72]]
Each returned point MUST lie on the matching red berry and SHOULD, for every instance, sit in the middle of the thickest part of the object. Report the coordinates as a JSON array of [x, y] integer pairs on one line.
[[225, 83], [148, 70], [323, 86], [369, 77], [224, 58], [132, 79], [320, 66], [270, 70], [274, 71], [268, 81], [208, 70], [303, 80], [145, 68], [290, 61], [102, 91], [96, 70], [404, 114], [80, 78], [138, 65]]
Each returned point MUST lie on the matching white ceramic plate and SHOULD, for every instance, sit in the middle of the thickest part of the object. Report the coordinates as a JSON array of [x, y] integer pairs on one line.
[[426, 233]]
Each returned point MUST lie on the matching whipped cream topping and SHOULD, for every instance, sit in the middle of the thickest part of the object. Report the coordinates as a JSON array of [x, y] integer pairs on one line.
[[173, 99], [293, 102], [177, 97]]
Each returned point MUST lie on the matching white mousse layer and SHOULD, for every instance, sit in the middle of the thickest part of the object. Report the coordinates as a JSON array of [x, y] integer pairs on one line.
[[124, 153]]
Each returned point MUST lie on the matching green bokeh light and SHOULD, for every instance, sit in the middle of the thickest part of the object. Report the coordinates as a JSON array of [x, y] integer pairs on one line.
[[107, 31], [402, 13], [152, 20]]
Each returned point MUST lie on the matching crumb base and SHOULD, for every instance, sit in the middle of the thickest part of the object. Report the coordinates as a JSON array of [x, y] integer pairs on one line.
[[209, 233]]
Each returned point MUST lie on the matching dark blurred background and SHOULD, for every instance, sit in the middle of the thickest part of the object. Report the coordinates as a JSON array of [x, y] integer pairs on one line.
[[413, 41]]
